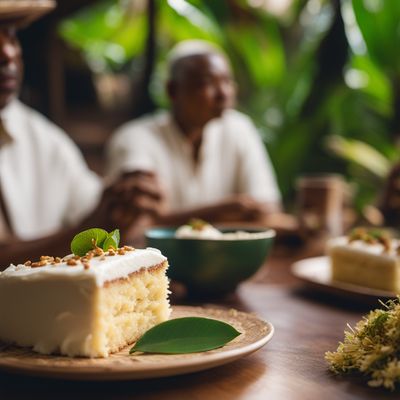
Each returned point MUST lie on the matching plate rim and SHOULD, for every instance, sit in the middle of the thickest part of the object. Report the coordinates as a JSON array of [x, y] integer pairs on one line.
[[200, 362], [298, 270]]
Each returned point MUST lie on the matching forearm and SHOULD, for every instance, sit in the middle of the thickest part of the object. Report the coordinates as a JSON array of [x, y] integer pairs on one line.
[[231, 210], [210, 214]]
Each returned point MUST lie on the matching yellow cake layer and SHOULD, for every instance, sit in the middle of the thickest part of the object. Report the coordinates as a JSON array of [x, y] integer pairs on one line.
[[74, 316], [129, 307], [365, 268]]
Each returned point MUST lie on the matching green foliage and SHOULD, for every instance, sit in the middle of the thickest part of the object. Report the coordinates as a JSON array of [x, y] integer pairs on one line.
[[112, 240], [95, 237], [317, 70], [107, 34], [186, 335], [379, 24]]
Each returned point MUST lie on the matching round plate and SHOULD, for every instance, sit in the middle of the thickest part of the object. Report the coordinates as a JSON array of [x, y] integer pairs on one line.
[[316, 272], [120, 366]]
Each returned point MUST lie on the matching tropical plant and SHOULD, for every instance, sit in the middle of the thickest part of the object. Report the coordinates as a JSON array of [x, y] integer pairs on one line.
[[319, 68]]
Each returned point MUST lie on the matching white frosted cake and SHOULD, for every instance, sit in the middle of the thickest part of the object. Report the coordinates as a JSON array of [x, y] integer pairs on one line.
[[366, 261], [87, 306]]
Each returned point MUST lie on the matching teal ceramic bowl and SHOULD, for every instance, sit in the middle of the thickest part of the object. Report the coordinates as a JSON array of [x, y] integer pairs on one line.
[[210, 266]]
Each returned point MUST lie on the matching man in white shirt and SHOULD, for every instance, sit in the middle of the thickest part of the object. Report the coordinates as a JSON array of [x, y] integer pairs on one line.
[[208, 157], [47, 192]]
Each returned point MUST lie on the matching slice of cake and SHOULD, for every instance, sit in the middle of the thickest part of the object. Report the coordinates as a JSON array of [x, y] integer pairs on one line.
[[87, 306], [369, 260]]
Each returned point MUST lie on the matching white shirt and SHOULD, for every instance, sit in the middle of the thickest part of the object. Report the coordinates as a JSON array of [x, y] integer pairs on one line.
[[232, 159], [44, 179]]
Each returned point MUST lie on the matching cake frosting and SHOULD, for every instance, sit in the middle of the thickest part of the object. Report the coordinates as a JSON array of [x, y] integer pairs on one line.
[[101, 269], [361, 246], [81, 307]]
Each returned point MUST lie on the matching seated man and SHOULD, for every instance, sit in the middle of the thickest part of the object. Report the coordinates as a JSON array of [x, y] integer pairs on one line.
[[47, 193], [209, 157]]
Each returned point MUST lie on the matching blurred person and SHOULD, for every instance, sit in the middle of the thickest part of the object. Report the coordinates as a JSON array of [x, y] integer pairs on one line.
[[47, 192], [208, 157]]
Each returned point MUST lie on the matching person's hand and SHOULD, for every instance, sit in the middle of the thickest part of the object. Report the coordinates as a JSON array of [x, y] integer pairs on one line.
[[133, 198], [136, 193], [241, 208]]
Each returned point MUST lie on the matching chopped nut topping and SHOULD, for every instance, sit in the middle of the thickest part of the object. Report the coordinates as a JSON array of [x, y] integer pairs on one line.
[[197, 224], [369, 239], [73, 260], [372, 236], [46, 258], [98, 252], [128, 248], [39, 264], [358, 234]]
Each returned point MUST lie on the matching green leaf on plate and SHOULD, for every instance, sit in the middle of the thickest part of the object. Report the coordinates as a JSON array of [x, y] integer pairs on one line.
[[185, 335], [112, 240], [86, 240]]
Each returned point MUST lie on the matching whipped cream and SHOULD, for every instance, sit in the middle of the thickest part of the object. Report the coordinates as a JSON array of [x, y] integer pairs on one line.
[[208, 232]]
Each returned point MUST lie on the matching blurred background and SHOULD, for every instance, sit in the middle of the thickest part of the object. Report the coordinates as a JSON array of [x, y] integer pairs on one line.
[[320, 78]]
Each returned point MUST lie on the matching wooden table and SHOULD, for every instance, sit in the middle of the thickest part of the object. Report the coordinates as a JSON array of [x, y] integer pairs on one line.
[[291, 366]]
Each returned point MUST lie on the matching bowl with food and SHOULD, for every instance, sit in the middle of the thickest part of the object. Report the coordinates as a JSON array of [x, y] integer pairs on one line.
[[208, 260]]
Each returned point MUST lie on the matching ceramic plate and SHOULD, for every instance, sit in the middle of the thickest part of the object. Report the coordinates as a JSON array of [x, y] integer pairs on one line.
[[316, 272], [255, 333]]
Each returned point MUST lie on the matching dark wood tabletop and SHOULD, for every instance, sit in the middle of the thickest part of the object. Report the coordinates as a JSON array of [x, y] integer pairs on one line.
[[290, 366]]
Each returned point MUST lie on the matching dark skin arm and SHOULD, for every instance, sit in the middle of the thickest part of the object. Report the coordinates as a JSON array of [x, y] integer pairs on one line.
[[238, 208], [130, 205]]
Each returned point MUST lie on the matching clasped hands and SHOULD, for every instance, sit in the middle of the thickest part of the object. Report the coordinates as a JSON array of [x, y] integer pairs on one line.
[[134, 199], [137, 200]]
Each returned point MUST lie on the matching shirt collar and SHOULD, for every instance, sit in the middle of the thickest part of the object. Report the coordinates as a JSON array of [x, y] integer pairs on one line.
[[210, 135]]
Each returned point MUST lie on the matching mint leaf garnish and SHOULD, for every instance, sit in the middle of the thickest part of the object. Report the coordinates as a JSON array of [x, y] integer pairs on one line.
[[87, 240], [185, 335], [112, 240]]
